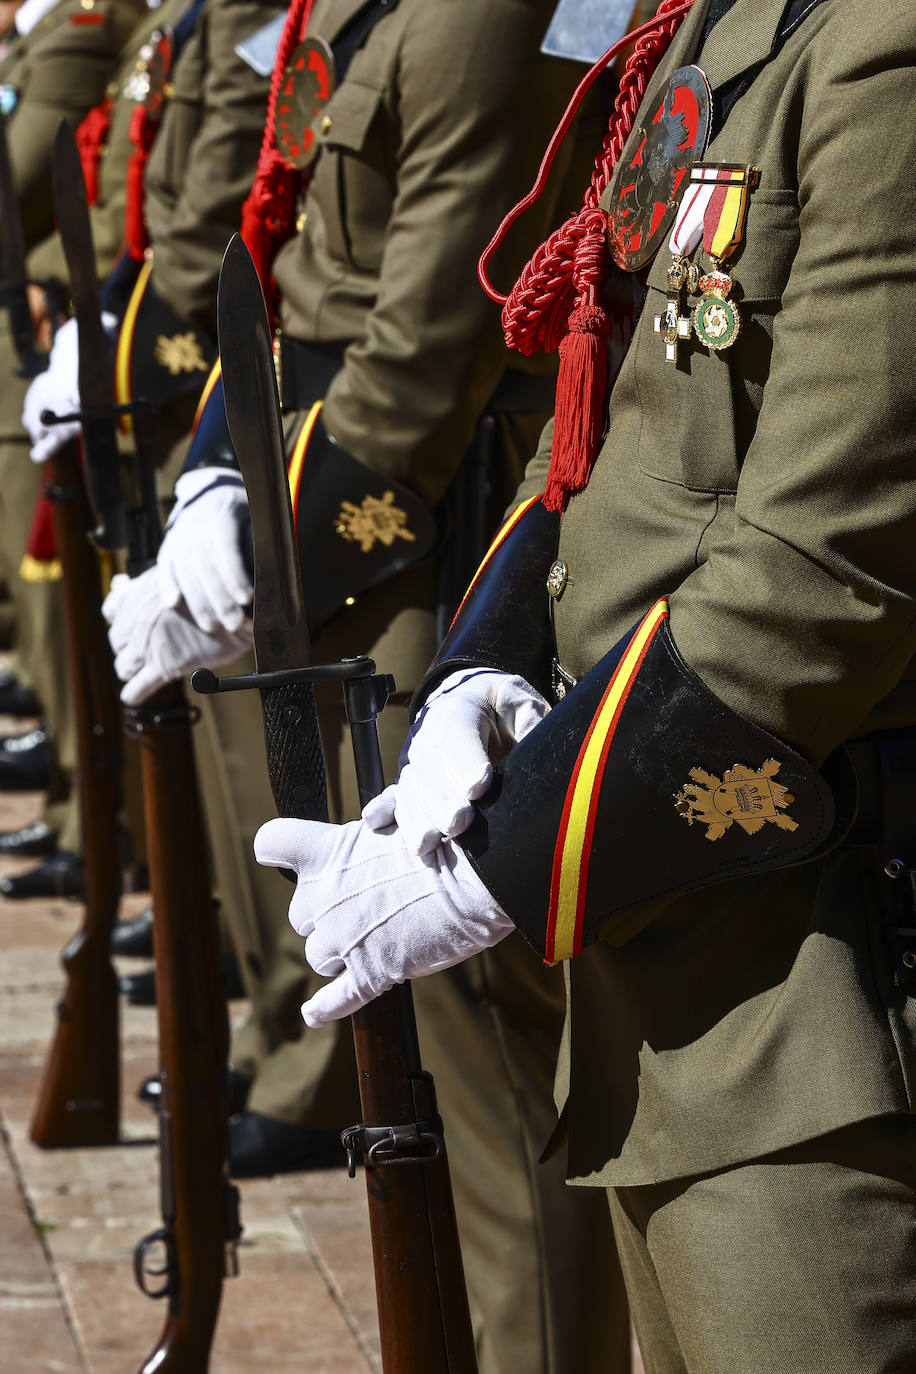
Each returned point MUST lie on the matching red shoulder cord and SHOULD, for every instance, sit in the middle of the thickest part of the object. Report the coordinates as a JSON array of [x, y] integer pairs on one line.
[[267, 215], [556, 302], [143, 130], [90, 138]]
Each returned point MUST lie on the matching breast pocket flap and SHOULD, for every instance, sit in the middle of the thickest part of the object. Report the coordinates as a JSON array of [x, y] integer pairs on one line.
[[347, 118]]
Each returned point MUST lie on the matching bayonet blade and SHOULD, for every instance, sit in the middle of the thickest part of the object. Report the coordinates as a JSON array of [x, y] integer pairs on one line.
[[281, 638], [13, 280], [295, 761], [96, 382]]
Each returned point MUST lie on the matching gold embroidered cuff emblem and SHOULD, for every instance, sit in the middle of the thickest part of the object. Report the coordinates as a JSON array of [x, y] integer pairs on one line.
[[374, 522], [744, 797], [180, 353]]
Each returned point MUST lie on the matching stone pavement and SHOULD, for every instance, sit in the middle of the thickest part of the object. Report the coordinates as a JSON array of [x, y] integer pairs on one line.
[[69, 1219]]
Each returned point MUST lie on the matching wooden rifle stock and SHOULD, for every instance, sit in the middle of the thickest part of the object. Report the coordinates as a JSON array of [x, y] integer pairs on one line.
[[199, 1205], [424, 1321], [422, 1301], [79, 1100]]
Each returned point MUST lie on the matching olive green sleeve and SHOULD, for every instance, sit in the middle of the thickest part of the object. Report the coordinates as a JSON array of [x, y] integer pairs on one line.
[[806, 617], [66, 73], [195, 189], [535, 478], [477, 104]]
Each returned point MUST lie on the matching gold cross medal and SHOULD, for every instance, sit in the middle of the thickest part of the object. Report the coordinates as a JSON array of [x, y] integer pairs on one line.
[[672, 326], [726, 189]]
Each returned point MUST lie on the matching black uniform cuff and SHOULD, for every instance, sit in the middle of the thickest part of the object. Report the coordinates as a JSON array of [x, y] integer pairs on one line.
[[638, 785]]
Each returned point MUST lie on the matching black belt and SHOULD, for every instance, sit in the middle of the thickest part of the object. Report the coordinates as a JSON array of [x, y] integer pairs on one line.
[[307, 370], [868, 826]]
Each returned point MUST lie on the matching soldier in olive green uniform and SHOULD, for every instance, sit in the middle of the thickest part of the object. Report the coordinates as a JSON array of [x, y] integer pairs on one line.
[[58, 66], [429, 135], [720, 801]]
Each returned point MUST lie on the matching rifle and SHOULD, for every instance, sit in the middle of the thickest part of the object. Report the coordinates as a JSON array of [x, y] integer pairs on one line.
[[422, 1300], [79, 1099], [199, 1206]]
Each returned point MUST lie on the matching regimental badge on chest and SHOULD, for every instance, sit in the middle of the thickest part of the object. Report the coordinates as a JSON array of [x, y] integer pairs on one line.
[[649, 184], [307, 86]]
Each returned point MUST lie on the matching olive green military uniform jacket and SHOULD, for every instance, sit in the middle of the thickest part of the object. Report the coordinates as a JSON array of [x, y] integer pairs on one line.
[[768, 491], [61, 68], [418, 163], [126, 89], [202, 164]]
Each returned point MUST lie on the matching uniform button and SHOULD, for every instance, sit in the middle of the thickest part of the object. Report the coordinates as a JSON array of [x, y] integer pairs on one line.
[[88, 4], [326, 123], [557, 578]]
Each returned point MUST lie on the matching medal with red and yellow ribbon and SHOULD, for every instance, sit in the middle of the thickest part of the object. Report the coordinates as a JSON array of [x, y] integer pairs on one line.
[[716, 322]]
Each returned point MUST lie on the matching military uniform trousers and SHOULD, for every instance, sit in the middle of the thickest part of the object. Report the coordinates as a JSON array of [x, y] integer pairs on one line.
[[544, 1282], [40, 660], [802, 1261]]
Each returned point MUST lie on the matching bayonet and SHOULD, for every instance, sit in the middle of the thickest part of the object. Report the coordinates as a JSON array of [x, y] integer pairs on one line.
[[281, 639], [13, 278], [96, 382]]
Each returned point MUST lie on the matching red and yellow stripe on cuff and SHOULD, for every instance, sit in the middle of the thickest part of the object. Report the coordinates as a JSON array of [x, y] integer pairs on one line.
[[502, 533], [125, 345], [216, 372], [297, 461], [572, 854]]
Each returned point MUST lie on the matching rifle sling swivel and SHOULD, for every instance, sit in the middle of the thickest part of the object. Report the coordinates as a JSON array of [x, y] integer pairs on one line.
[[417, 1142]]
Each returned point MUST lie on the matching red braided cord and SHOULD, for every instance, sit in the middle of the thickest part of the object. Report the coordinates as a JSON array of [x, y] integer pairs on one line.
[[143, 130], [560, 287], [267, 215], [90, 136]]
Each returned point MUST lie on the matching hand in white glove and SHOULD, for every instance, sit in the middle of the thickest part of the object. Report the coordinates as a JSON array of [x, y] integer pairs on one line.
[[200, 560], [372, 913], [55, 389], [467, 725], [154, 644]]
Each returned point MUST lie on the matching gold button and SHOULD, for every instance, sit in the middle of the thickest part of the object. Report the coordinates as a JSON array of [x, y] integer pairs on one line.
[[325, 125], [557, 578], [301, 220], [88, 4]]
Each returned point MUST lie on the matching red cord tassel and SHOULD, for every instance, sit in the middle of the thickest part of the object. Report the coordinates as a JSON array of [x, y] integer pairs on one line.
[[580, 405]]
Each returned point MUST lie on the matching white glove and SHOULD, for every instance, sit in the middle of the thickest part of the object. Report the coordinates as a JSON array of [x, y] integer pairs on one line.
[[55, 389], [467, 725], [200, 560], [154, 644], [372, 913]]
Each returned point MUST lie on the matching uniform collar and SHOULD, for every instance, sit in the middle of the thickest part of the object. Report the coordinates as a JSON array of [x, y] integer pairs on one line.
[[743, 38], [331, 19], [31, 13]]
